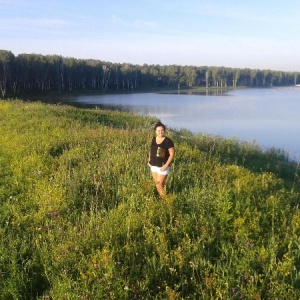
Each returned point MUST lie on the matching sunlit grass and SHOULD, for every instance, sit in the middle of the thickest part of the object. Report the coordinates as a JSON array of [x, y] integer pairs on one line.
[[80, 218]]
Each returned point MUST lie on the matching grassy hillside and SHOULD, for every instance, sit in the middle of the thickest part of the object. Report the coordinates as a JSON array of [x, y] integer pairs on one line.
[[80, 219]]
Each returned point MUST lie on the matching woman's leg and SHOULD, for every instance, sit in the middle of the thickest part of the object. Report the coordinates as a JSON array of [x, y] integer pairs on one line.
[[155, 178], [160, 181]]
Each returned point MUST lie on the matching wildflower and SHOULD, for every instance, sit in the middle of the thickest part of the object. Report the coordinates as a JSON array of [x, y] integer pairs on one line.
[[126, 288], [54, 214], [192, 264]]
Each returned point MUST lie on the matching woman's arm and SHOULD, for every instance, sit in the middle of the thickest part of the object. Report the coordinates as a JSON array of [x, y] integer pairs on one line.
[[170, 159]]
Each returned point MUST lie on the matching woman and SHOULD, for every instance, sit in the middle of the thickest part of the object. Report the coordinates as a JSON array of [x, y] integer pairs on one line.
[[161, 155]]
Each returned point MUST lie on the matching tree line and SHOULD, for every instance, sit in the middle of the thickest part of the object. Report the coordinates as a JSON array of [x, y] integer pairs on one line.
[[36, 72]]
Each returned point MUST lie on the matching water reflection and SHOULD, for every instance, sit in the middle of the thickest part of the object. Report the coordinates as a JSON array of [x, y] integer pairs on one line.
[[206, 92], [267, 116]]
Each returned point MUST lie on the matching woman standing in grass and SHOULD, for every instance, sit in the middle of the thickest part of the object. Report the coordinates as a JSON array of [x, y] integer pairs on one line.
[[161, 155]]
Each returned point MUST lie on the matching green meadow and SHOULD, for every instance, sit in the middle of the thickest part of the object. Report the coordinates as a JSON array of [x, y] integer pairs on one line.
[[80, 217]]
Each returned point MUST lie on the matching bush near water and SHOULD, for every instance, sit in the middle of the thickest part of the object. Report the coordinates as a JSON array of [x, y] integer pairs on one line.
[[80, 218]]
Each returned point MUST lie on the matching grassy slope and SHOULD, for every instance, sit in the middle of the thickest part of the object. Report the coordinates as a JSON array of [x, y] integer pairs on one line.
[[80, 218]]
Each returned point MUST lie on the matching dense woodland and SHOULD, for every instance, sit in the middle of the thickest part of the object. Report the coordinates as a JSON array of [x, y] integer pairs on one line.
[[44, 73]]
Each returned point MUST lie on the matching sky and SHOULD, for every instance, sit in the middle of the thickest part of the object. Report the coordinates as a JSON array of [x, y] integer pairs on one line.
[[256, 34]]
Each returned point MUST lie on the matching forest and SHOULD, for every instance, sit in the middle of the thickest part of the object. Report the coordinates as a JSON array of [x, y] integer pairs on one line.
[[32, 73]]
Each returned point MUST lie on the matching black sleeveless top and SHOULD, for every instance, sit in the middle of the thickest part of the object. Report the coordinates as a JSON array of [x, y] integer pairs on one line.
[[159, 153]]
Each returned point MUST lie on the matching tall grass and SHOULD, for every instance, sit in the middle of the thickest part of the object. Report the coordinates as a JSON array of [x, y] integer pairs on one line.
[[80, 218]]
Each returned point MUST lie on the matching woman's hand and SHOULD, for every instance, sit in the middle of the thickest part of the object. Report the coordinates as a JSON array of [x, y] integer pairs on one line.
[[163, 168]]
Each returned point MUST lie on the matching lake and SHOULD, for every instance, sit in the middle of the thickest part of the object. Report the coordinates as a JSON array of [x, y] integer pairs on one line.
[[267, 117]]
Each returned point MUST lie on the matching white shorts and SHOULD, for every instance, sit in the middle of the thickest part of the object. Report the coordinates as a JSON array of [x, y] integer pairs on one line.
[[157, 170]]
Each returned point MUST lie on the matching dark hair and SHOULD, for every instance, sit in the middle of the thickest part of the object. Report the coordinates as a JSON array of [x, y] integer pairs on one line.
[[159, 124]]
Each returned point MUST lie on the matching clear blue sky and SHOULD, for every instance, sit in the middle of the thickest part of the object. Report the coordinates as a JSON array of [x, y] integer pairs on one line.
[[260, 34]]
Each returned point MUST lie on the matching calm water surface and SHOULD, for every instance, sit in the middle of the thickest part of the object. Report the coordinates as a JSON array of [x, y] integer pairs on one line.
[[267, 117]]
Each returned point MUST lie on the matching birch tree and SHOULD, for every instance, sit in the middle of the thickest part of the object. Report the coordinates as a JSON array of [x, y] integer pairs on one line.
[[6, 61]]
